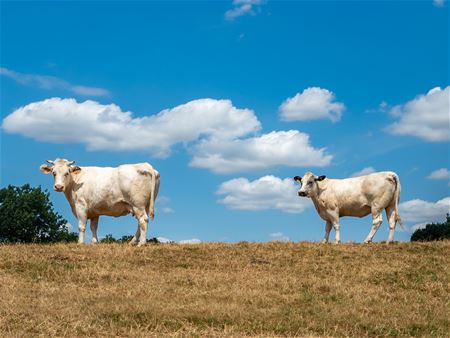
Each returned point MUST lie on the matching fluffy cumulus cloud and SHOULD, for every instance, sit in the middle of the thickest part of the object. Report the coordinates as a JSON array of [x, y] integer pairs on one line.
[[243, 7], [268, 192], [421, 212], [52, 82], [439, 3], [220, 136], [287, 148], [313, 103], [362, 172], [426, 116], [107, 127], [440, 174]]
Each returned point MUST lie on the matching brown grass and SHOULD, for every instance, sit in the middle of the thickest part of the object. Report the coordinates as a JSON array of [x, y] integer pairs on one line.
[[232, 290]]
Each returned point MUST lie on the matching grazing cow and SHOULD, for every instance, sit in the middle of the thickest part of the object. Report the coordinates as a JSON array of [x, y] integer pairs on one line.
[[96, 191], [357, 196]]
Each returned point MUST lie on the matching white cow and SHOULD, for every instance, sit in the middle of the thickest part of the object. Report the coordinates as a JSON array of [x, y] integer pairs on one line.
[[96, 191], [357, 196]]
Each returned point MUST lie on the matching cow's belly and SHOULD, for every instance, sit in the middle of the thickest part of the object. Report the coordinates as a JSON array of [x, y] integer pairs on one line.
[[355, 211], [114, 209]]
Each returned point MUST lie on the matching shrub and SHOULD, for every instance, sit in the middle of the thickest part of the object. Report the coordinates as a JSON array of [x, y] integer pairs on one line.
[[433, 231]]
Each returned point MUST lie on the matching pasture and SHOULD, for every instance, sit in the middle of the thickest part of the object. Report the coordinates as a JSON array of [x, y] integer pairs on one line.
[[225, 290]]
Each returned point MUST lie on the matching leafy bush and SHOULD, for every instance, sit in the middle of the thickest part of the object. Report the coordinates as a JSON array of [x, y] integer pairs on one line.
[[433, 231], [124, 239], [27, 216]]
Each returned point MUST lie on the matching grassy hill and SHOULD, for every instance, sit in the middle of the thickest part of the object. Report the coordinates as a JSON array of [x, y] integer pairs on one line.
[[206, 290]]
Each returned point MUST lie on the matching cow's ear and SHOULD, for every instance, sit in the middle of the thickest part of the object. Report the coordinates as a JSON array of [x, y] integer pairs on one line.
[[298, 179], [74, 168], [45, 169], [320, 178]]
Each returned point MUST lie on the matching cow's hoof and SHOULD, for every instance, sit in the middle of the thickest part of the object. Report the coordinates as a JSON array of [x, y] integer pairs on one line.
[[324, 241], [140, 244], [390, 242], [336, 242], [367, 242]]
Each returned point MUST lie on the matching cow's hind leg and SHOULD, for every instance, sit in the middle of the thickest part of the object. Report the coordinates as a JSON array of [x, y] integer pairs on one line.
[[142, 218], [328, 227], [94, 225], [376, 222], [392, 219]]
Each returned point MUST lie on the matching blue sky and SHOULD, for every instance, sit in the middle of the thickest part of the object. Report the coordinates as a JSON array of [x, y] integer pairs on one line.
[[227, 100]]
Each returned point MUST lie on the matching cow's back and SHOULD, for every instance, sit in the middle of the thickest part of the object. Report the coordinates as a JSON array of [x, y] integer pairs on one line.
[[357, 195]]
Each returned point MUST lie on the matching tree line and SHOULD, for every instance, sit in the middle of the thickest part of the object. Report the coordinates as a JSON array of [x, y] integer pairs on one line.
[[27, 216]]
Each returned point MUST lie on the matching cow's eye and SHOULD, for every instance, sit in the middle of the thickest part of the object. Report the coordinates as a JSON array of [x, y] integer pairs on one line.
[[66, 174], [54, 174], [309, 183]]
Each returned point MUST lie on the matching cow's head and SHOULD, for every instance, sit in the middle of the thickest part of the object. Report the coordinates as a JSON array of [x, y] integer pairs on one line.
[[61, 170], [309, 184]]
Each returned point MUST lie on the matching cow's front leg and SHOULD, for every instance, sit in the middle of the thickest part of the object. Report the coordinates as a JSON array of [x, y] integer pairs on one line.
[[82, 219], [94, 225], [337, 229], [328, 227]]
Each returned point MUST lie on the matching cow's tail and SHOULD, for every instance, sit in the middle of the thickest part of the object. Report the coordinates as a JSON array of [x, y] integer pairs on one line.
[[397, 200], [154, 187]]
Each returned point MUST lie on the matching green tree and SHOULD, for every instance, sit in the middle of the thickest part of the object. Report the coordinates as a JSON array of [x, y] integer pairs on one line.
[[433, 231], [108, 239], [27, 216]]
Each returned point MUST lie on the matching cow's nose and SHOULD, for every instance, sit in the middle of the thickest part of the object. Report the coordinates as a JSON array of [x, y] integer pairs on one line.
[[302, 193], [58, 187]]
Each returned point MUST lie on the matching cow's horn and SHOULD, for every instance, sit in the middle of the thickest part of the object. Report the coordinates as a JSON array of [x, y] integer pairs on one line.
[[51, 162], [71, 162]]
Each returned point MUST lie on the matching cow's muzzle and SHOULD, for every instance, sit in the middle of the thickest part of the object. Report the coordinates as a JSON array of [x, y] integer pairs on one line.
[[302, 193], [58, 188]]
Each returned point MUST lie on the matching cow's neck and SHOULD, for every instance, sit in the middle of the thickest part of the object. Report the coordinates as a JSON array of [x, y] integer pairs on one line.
[[317, 200], [70, 195]]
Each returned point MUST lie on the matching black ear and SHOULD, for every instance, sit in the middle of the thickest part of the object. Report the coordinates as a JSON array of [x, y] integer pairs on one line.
[[298, 179], [320, 178]]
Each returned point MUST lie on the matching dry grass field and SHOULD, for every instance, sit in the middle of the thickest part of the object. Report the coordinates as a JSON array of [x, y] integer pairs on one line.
[[225, 290]]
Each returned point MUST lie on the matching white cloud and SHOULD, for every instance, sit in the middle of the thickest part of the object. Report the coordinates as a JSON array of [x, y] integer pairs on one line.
[[287, 148], [268, 192], [242, 7], [362, 172], [190, 241], [313, 103], [279, 236], [162, 205], [107, 127], [52, 82], [420, 211], [218, 135], [440, 174], [418, 226], [439, 3], [167, 210], [164, 240], [426, 116], [183, 241]]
